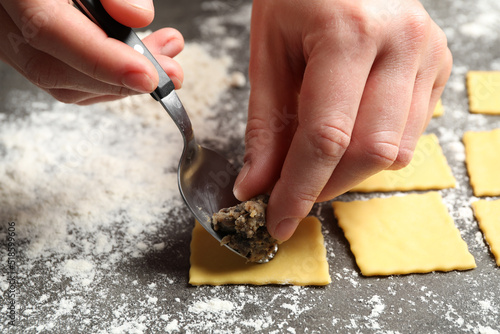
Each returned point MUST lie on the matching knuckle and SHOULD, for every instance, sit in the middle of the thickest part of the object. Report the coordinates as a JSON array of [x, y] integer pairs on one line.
[[306, 196], [416, 25], [380, 154], [35, 23], [256, 133], [330, 141], [364, 29], [351, 26], [40, 71], [120, 92], [441, 39], [440, 47], [301, 193]]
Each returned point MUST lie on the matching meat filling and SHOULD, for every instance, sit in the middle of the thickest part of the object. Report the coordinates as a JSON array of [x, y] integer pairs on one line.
[[244, 229]]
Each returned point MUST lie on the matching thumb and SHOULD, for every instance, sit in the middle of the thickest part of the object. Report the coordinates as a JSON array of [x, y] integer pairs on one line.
[[132, 13]]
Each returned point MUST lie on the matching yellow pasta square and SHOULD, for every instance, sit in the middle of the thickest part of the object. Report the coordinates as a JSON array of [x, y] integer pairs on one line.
[[439, 110], [483, 88], [488, 217], [482, 156], [427, 170], [301, 260], [402, 235]]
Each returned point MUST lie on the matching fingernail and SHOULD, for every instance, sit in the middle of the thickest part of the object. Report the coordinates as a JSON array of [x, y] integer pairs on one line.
[[177, 82], [168, 49], [241, 177], [140, 82], [285, 228], [142, 4]]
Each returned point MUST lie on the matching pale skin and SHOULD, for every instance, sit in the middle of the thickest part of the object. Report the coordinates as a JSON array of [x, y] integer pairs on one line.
[[340, 89]]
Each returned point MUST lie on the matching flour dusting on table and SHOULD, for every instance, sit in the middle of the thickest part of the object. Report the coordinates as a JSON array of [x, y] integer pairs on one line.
[[103, 235]]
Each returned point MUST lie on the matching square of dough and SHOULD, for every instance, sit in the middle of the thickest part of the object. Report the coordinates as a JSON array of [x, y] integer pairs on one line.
[[403, 235], [483, 88], [427, 170], [483, 161], [488, 217], [301, 260], [439, 110]]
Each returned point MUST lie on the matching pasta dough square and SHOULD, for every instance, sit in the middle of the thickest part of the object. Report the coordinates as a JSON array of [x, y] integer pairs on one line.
[[488, 217], [483, 161], [300, 261], [403, 235], [439, 110], [483, 88], [427, 170]]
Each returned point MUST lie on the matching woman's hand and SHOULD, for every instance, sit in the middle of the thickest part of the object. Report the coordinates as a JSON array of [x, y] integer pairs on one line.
[[340, 90], [60, 50]]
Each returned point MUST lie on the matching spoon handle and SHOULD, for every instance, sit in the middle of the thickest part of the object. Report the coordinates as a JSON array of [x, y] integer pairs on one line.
[[96, 12], [165, 92]]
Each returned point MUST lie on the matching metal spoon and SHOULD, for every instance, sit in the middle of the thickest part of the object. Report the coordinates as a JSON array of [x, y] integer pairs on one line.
[[205, 178]]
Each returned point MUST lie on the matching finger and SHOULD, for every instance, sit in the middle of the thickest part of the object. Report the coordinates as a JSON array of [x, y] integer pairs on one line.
[[98, 99], [434, 71], [271, 114], [84, 92], [63, 32], [380, 124], [75, 87], [173, 70], [167, 42], [329, 100], [440, 83], [132, 13], [71, 96]]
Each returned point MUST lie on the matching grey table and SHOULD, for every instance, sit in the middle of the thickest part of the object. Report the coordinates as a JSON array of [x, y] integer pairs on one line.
[[149, 293]]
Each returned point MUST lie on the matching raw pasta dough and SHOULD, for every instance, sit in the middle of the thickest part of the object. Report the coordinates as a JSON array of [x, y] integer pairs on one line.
[[300, 261], [439, 110], [488, 216], [484, 91], [483, 161], [402, 235], [427, 170]]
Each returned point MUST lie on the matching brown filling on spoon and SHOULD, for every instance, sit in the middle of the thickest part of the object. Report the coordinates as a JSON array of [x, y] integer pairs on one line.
[[244, 229]]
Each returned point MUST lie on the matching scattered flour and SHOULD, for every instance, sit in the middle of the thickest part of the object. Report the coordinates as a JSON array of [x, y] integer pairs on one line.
[[484, 25], [89, 189], [214, 305], [81, 271], [377, 306], [487, 330], [172, 326]]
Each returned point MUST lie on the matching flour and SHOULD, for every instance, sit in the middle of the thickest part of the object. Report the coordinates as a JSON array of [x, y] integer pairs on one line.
[[487, 330], [81, 271], [377, 306], [485, 25], [101, 225], [214, 305], [172, 326]]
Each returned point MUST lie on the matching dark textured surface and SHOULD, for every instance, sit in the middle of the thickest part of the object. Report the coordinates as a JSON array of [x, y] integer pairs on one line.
[[452, 302]]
